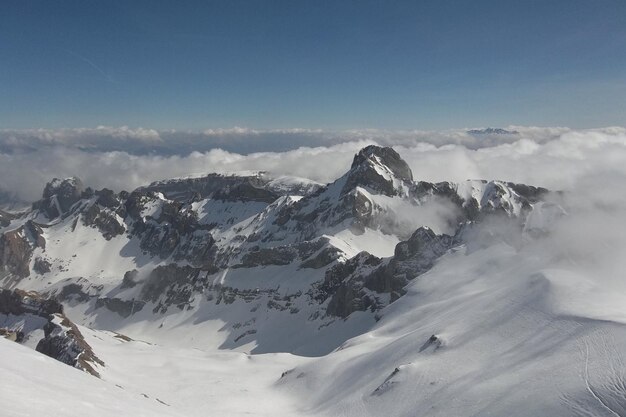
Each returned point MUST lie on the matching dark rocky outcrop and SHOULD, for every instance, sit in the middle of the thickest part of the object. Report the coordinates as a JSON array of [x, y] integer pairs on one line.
[[65, 343], [529, 193], [18, 302], [172, 284], [41, 266], [124, 308], [104, 220], [411, 259], [130, 279], [281, 255], [174, 231], [375, 167], [62, 340], [59, 196], [245, 192], [325, 257], [16, 248], [354, 285], [107, 198], [343, 286], [73, 291], [6, 218], [224, 187]]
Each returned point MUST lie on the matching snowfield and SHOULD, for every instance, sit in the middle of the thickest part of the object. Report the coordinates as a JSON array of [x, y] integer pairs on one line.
[[486, 332]]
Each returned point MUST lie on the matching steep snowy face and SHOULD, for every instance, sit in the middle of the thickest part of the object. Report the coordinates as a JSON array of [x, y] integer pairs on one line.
[[243, 252]]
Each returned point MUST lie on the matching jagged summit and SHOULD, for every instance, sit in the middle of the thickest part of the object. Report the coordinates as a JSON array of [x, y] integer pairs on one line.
[[59, 196], [386, 156], [380, 169]]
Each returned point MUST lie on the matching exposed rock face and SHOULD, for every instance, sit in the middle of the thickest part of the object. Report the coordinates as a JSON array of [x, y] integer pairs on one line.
[[282, 255], [104, 220], [124, 308], [375, 170], [73, 291], [172, 285], [412, 258], [41, 266], [362, 282], [59, 196], [65, 343], [18, 302], [15, 253], [107, 198], [171, 230], [6, 218], [529, 193], [343, 286], [287, 254], [323, 258], [62, 340], [223, 187], [245, 192], [130, 279], [379, 169], [16, 248]]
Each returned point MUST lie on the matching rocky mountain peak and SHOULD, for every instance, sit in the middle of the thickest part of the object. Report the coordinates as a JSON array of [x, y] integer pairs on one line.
[[59, 195], [380, 169], [386, 157]]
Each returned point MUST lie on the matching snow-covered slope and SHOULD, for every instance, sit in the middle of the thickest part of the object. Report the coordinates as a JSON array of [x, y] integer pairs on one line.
[[482, 333], [35, 385], [373, 295], [487, 331]]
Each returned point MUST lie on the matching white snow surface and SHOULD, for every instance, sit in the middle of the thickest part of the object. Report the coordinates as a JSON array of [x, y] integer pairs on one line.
[[517, 334]]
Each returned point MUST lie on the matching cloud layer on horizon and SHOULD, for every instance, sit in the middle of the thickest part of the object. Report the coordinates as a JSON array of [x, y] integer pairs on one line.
[[125, 158]]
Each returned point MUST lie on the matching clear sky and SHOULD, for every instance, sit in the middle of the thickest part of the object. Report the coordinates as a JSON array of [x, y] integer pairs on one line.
[[316, 64]]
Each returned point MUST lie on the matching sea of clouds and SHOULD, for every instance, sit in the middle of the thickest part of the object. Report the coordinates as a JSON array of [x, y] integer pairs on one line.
[[586, 244], [125, 158]]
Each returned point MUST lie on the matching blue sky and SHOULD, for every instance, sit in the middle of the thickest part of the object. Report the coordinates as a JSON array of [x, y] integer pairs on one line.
[[316, 64]]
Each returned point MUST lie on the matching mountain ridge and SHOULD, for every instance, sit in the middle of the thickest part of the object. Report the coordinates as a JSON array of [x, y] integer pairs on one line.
[[185, 245]]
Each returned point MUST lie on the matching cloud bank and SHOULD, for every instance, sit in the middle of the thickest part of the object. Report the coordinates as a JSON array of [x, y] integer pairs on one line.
[[125, 158]]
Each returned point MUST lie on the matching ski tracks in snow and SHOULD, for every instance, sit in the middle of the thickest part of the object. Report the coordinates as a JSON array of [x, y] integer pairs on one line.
[[606, 397]]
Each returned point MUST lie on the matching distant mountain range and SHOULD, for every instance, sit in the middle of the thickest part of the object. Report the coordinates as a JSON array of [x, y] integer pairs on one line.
[[492, 131]]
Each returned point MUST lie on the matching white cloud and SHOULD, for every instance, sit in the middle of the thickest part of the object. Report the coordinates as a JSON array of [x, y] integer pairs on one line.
[[124, 158]]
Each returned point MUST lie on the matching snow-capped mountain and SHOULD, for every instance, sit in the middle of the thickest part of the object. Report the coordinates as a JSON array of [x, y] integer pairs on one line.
[[243, 248], [412, 297]]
